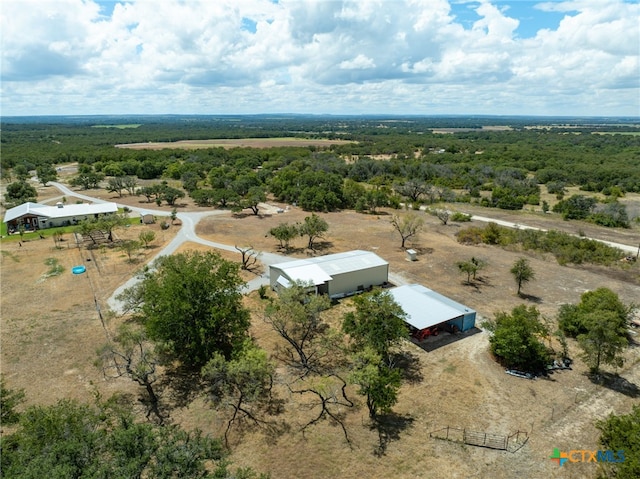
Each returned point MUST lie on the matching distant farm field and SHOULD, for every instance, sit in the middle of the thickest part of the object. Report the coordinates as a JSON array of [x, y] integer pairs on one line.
[[232, 143], [119, 127], [632, 133]]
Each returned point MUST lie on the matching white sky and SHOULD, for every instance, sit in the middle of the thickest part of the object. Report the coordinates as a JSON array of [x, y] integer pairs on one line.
[[578, 57]]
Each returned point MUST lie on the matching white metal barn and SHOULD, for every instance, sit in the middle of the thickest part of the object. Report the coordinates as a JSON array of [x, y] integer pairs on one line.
[[337, 275]]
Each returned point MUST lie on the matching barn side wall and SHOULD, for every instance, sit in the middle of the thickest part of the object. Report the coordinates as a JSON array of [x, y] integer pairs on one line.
[[469, 321], [348, 283], [274, 273]]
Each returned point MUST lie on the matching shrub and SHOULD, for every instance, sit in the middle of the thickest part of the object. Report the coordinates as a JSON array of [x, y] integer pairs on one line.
[[471, 235], [460, 217], [516, 339]]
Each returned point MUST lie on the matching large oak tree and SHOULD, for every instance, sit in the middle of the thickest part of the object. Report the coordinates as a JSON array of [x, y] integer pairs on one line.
[[192, 304]]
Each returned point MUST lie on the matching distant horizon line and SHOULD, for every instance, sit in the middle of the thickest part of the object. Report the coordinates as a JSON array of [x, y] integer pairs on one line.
[[341, 115]]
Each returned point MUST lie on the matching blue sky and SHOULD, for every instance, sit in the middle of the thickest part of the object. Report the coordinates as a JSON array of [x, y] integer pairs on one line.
[[431, 57], [531, 17]]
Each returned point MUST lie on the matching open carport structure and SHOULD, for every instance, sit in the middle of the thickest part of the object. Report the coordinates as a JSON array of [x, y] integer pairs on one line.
[[337, 275], [428, 311]]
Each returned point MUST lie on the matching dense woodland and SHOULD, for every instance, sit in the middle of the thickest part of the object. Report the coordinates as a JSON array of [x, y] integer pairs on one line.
[[388, 161]]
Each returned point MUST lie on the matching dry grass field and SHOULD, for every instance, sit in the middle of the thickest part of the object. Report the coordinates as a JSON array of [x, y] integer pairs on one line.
[[232, 143], [51, 329]]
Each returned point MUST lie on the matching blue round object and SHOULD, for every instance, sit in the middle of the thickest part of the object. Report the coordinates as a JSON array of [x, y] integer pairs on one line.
[[78, 269]]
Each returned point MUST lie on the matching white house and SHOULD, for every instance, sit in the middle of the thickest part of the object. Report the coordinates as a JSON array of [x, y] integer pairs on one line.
[[337, 275], [35, 216]]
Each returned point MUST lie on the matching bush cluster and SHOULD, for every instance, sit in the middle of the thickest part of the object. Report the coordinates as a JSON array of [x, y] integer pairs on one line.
[[566, 248]]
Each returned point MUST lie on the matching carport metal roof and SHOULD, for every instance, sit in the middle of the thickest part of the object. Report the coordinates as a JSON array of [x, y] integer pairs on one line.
[[426, 308]]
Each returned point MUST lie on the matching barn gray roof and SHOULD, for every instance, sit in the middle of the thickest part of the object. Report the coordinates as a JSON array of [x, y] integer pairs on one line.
[[323, 268]]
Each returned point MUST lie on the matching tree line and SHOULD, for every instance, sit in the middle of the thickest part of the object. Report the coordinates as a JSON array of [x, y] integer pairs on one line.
[[494, 168]]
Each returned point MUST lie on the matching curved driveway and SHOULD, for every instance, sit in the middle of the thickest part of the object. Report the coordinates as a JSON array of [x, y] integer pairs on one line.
[[188, 233]]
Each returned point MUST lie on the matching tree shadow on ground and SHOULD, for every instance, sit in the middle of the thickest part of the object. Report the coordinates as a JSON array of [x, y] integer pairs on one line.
[[319, 246], [478, 283], [389, 428], [616, 383], [182, 386], [432, 343], [530, 297], [409, 365]]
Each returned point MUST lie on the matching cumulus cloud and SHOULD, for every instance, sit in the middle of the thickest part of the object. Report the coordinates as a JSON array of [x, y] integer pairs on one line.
[[316, 56]]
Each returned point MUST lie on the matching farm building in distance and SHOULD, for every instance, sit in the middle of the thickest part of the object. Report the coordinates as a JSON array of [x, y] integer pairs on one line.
[[35, 216], [337, 275], [427, 310]]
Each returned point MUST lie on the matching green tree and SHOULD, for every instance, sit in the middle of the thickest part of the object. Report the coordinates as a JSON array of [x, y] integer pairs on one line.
[[413, 189], [516, 339], [87, 178], [174, 215], [314, 227], [284, 233], [604, 341], [443, 215], [69, 439], [192, 304], [621, 434], [150, 191], [577, 207], [613, 215], [296, 317], [20, 192], [9, 399], [352, 192], [522, 272], [21, 172], [46, 173], [378, 381], [130, 183], [109, 223], [224, 197], [170, 195], [471, 267], [242, 383], [89, 228], [116, 185], [203, 197], [252, 199], [573, 319], [146, 237], [408, 226], [130, 248], [377, 322]]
